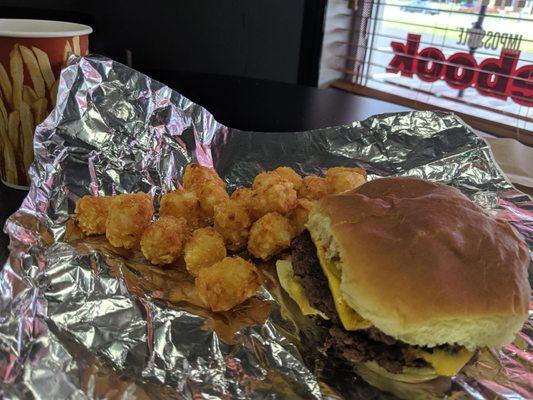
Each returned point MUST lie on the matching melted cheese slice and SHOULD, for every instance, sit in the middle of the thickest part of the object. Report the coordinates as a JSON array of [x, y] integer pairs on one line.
[[444, 363], [294, 289], [350, 319]]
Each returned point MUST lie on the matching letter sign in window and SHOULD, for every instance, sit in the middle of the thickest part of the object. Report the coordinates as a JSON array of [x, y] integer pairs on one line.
[[430, 64]]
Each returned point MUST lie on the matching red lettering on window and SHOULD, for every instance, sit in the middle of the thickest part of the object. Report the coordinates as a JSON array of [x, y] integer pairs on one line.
[[404, 60], [522, 88], [495, 74], [434, 71], [461, 71], [495, 77]]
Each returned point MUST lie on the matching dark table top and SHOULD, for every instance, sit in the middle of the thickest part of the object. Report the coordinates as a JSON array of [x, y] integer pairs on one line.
[[248, 104], [267, 106]]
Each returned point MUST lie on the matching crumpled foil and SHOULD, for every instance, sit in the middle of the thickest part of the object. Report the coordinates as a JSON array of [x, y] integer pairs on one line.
[[79, 319]]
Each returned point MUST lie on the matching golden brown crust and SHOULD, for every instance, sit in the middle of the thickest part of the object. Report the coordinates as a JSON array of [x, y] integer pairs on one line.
[[278, 197], [128, 216], [243, 196], [181, 203], [300, 214], [269, 235], [342, 179], [197, 175], [232, 221], [290, 175], [162, 241], [204, 248], [416, 253], [313, 188], [227, 283], [266, 179], [91, 214]]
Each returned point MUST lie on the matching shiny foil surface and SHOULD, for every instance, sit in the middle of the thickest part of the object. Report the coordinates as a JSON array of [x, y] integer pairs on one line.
[[79, 319]]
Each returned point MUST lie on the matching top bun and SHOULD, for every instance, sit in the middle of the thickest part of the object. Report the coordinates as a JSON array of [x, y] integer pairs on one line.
[[424, 264]]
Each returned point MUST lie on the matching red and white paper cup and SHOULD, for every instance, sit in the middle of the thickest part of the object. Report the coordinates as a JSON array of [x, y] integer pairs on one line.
[[32, 53]]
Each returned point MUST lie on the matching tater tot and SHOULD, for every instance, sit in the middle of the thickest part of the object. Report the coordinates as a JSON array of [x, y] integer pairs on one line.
[[243, 196], [232, 221], [129, 215], [162, 242], [341, 179], [210, 195], [227, 283], [269, 235], [181, 203], [278, 197], [195, 175], [265, 179], [290, 175], [336, 170], [313, 188], [91, 214], [300, 214], [203, 249]]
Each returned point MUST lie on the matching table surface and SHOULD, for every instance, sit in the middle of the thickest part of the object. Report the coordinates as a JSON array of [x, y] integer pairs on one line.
[[267, 106], [248, 104]]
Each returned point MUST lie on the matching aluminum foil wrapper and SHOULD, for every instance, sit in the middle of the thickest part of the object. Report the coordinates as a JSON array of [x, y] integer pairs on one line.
[[79, 319]]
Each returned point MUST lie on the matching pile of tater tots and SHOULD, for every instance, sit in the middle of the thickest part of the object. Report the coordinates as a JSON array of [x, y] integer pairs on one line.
[[203, 227]]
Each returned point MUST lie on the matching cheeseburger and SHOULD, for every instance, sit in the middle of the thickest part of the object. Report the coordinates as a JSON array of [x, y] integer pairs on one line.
[[411, 276]]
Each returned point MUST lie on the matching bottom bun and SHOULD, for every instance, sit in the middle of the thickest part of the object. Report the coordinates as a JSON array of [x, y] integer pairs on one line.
[[409, 374], [413, 383]]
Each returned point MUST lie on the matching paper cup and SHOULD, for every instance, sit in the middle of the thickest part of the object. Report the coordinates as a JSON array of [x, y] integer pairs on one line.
[[32, 53]]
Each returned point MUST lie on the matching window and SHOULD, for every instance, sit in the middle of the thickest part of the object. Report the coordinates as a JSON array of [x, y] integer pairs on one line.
[[471, 57]]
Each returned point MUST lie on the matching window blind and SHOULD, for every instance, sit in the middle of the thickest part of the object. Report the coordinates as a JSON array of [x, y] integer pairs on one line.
[[471, 57]]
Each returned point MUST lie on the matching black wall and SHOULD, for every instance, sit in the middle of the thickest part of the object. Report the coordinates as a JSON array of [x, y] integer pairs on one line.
[[250, 38]]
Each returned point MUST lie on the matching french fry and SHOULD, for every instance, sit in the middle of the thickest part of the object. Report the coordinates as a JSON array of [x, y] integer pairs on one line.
[[2, 162], [3, 130], [53, 93], [34, 70], [28, 94], [2, 148], [8, 156], [44, 65], [5, 85], [17, 75], [39, 108], [9, 160], [68, 50], [13, 127], [26, 125], [3, 113], [76, 45]]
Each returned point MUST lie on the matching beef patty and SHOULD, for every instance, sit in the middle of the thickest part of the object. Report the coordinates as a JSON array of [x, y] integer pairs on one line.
[[351, 346], [307, 268]]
